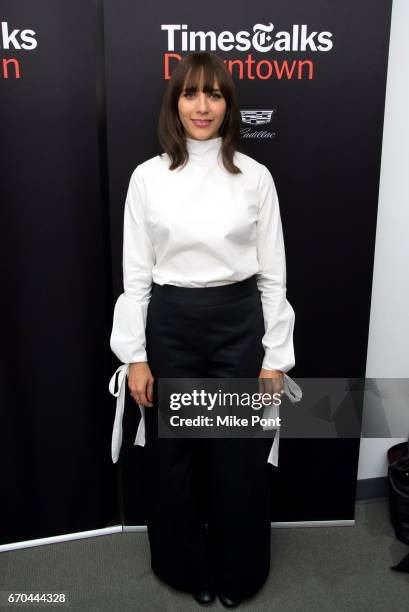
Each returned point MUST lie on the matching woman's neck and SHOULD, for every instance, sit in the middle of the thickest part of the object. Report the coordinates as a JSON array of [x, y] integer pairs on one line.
[[204, 151]]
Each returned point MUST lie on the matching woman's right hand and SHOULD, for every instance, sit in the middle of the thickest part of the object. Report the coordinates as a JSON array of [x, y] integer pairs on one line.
[[140, 383]]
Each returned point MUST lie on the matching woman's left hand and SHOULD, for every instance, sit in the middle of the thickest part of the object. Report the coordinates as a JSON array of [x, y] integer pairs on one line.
[[271, 381]]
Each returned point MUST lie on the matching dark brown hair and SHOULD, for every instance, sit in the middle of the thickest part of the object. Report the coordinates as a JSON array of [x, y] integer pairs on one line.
[[171, 133]]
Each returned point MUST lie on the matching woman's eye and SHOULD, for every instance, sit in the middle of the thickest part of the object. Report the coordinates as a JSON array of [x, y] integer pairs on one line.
[[214, 95]]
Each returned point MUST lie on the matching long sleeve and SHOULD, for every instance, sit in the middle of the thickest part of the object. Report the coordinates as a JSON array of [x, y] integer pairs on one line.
[[128, 340], [271, 280]]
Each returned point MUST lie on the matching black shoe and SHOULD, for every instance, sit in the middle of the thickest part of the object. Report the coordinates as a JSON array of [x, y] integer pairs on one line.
[[204, 597], [227, 602]]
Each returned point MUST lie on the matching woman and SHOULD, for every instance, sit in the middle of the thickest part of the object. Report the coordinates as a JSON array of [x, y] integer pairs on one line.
[[204, 296]]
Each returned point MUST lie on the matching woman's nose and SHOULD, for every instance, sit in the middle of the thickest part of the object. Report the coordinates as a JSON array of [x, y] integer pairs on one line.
[[202, 102]]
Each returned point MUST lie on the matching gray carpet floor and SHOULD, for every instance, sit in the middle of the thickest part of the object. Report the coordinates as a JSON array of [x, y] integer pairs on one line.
[[312, 569]]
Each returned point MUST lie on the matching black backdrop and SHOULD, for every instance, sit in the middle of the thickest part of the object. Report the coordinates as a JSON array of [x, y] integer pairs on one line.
[[325, 158], [75, 124], [56, 410]]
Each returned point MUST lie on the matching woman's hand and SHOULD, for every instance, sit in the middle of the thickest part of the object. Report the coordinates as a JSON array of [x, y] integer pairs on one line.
[[140, 383], [272, 381]]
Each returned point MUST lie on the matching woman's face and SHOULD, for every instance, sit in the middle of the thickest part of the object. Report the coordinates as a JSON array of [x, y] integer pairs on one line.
[[202, 113]]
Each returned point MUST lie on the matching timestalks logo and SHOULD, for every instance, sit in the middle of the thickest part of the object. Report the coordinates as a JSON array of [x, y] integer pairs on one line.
[[262, 39], [16, 39]]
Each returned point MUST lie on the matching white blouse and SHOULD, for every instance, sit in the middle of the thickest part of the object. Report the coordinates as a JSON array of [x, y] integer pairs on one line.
[[201, 226]]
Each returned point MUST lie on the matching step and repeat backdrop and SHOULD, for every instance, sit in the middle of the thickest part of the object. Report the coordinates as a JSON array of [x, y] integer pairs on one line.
[[81, 88], [311, 83], [56, 413]]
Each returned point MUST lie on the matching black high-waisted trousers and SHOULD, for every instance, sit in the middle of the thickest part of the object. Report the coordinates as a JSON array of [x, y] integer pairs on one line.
[[224, 483]]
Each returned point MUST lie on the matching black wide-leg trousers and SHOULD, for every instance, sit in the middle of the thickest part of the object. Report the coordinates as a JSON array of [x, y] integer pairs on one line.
[[224, 483]]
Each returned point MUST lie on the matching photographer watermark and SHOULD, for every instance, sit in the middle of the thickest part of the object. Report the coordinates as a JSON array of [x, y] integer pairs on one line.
[[328, 408], [209, 400], [212, 407]]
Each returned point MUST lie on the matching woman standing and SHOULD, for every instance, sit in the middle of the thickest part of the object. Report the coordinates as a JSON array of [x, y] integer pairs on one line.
[[204, 296]]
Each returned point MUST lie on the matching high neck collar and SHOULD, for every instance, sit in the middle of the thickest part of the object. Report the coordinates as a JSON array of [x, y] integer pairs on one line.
[[204, 151]]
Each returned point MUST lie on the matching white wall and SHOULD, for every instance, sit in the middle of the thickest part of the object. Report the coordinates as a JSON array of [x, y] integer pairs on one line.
[[388, 346]]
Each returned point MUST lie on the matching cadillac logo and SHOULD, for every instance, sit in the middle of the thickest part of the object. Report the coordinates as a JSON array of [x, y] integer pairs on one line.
[[256, 117]]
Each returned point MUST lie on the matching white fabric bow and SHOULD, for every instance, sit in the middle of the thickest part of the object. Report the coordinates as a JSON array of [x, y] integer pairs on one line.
[[116, 443], [294, 394]]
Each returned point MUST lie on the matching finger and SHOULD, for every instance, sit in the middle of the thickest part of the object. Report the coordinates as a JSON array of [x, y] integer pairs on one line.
[[135, 396], [149, 392], [144, 400], [275, 385], [143, 396], [280, 387], [269, 388]]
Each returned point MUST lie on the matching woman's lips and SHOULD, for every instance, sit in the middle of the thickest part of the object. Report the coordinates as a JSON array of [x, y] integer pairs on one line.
[[202, 122]]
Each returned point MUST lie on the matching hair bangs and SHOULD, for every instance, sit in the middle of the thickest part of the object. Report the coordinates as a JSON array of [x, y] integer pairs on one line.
[[196, 73]]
